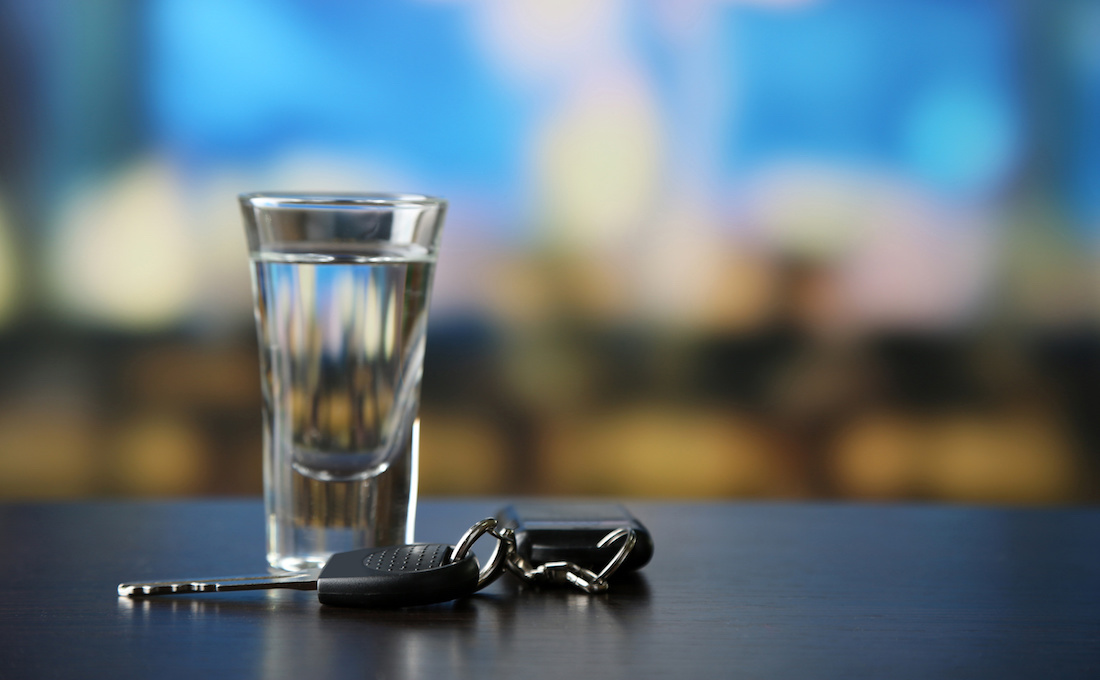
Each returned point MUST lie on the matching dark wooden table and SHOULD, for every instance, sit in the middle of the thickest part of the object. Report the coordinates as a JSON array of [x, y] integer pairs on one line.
[[734, 590]]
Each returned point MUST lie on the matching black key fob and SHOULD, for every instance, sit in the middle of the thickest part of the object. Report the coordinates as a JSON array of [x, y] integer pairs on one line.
[[396, 576], [551, 532]]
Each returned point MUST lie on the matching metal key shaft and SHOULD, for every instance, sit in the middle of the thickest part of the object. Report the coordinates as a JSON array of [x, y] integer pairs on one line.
[[305, 580]]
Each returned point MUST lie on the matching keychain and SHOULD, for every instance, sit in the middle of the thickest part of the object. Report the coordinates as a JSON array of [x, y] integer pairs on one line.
[[540, 543], [573, 543]]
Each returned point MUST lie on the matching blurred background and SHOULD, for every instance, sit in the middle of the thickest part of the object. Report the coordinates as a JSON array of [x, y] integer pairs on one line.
[[696, 248]]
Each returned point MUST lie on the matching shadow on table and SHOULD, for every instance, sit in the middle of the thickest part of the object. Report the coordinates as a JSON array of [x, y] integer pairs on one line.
[[289, 634]]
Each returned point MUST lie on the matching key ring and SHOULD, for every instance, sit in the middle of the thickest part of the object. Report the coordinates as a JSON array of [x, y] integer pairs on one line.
[[494, 567], [620, 557]]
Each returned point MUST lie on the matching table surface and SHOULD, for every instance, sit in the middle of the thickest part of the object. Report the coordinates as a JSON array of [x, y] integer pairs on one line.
[[750, 590]]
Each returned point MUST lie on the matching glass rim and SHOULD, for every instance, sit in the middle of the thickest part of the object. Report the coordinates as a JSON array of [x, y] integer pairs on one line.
[[338, 200]]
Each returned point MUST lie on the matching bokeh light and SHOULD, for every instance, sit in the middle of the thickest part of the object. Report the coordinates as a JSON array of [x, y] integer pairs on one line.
[[725, 248]]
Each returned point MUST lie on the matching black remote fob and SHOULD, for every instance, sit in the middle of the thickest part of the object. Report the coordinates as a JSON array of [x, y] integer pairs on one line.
[[551, 532]]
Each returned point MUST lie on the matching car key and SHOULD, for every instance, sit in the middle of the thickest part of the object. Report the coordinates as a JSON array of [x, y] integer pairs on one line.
[[394, 576]]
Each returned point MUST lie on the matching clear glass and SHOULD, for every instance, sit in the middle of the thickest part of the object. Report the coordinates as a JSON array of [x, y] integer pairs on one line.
[[341, 286]]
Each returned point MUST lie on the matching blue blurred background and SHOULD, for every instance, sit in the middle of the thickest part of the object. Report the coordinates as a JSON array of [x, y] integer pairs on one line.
[[740, 248]]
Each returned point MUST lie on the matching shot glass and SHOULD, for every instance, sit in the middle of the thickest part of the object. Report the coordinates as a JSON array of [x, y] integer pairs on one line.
[[341, 285]]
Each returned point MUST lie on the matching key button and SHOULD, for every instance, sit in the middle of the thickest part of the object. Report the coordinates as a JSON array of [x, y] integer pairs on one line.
[[408, 557]]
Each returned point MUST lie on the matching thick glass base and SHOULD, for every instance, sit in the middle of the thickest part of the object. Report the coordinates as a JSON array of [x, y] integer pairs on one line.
[[308, 519]]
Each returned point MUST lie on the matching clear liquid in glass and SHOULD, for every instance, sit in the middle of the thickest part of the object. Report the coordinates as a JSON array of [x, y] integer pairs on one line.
[[341, 356]]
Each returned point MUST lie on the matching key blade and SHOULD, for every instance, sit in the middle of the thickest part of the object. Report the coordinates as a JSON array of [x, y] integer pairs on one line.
[[306, 580]]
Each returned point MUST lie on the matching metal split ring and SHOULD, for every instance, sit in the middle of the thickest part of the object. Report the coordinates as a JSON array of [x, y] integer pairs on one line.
[[620, 557], [495, 565]]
